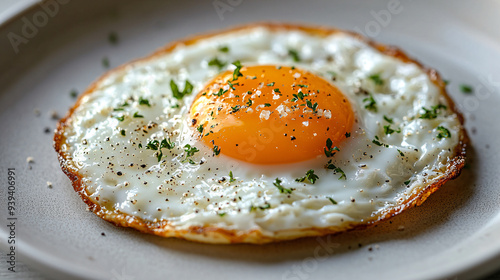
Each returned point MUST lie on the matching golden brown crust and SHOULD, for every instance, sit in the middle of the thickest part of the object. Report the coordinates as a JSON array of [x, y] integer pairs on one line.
[[219, 235]]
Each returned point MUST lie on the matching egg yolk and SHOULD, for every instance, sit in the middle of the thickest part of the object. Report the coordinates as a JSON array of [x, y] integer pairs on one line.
[[271, 115]]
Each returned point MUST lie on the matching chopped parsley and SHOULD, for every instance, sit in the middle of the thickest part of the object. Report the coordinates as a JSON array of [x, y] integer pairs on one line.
[[122, 132], [446, 82], [231, 178], [190, 150], [216, 150], [376, 79], [188, 88], [329, 151], [277, 183], [277, 90], [224, 49], [372, 104], [136, 115], [236, 72], [222, 214], [155, 145], [347, 134], [73, 93], [443, 132], [249, 102], [220, 93], [113, 38], [378, 143], [313, 107], [303, 86], [407, 182], [270, 84], [466, 89], [332, 200], [120, 118], [105, 62], [217, 63], [300, 95], [235, 108], [433, 112], [387, 119], [294, 54], [336, 170], [231, 85], [200, 128], [143, 101], [310, 176], [267, 104], [266, 206], [400, 153], [388, 130]]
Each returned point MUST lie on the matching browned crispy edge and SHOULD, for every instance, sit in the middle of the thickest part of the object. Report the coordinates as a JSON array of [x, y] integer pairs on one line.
[[211, 234]]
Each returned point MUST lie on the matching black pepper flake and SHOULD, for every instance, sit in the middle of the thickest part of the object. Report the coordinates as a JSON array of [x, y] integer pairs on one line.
[[119, 173], [103, 234], [293, 138]]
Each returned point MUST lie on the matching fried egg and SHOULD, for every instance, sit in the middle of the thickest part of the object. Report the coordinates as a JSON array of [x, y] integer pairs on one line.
[[261, 133]]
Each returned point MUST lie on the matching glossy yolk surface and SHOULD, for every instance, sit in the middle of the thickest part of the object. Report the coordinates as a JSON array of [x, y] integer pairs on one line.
[[271, 115]]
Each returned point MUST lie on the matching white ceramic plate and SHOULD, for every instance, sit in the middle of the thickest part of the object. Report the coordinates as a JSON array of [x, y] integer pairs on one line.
[[453, 234]]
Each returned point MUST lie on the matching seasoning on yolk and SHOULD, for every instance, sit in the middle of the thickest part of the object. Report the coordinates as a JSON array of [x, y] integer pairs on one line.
[[271, 115]]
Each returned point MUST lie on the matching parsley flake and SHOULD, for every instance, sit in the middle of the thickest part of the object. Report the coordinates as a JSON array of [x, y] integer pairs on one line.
[[190, 150], [443, 132], [136, 115], [372, 104], [231, 178], [376, 79], [329, 151], [113, 38], [277, 183], [73, 93], [200, 128], [270, 84], [336, 170], [105, 62], [313, 107], [216, 150], [220, 92], [387, 119], [294, 54], [217, 63], [332, 200], [235, 109], [249, 102], [388, 130], [378, 143], [224, 49], [236, 72], [433, 112], [267, 104], [122, 132], [188, 88], [143, 101], [466, 89], [120, 118], [310, 176]]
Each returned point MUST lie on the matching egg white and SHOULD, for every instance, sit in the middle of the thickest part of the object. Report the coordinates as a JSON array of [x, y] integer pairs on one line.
[[121, 176]]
